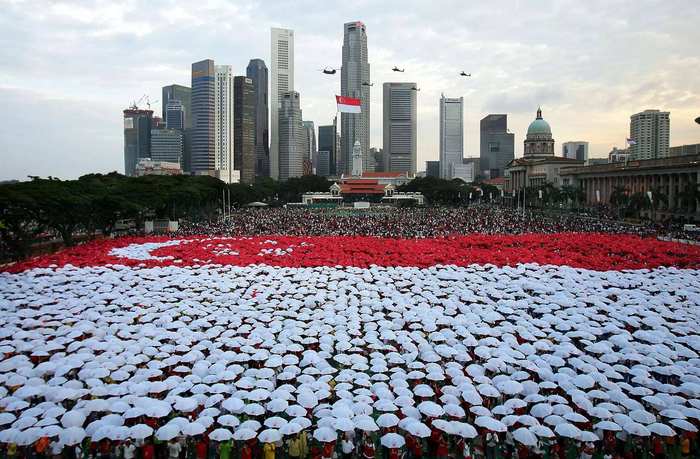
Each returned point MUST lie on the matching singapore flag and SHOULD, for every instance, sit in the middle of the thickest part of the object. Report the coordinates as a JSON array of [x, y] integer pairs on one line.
[[348, 104]]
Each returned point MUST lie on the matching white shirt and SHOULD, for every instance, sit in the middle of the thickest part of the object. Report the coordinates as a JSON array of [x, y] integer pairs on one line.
[[174, 450], [348, 447], [129, 451]]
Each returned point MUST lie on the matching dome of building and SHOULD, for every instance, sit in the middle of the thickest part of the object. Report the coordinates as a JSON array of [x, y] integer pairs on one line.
[[539, 126]]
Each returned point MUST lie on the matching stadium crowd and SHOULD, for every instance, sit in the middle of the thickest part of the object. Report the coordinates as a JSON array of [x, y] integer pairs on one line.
[[407, 222]]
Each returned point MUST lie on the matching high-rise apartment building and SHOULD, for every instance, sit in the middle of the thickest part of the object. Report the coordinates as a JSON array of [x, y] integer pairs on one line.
[[137, 137], [354, 82], [167, 145], [203, 157], [650, 134], [184, 95], [575, 150], [257, 71], [281, 82], [451, 135], [497, 145], [224, 134], [244, 128], [291, 137], [400, 127]]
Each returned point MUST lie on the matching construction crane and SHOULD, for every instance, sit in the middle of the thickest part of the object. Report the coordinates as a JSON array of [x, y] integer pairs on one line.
[[135, 104]]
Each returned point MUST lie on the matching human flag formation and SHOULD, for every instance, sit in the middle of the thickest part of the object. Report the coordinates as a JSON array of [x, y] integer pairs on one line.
[[348, 104]]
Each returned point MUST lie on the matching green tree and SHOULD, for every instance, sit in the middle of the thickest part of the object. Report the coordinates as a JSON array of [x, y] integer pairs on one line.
[[689, 197]]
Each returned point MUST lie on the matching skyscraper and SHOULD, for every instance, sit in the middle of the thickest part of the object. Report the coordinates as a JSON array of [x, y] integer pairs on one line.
[[137, 137], [400, 127], [175, 115], [310, 133], [327, 138], [257, 71], [244, 128], [291, 137], [224, 123], [497, 145], [451, 134], [575, 150], [282, 82], [184, 95], [354, 82], [167, 145], [650, 133], [203, 118]]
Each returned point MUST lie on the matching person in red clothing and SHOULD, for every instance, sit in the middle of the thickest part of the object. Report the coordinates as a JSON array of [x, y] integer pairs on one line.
[[246, 452], [394, 453], [148, 451], [328, 449], [367, 447], [414, 446], [202, 445], [442, 451]]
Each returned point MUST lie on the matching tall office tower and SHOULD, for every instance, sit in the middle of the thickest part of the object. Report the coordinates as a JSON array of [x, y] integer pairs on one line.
[[451, 134], [432, 169], [281, 82], [327, 139], [354, 82], [184, 95], [575, 150], [175, 115], [203, 158], [244, 128], [291, 137], [223, 136], [257, 71], [378, 155], [400, 133], [167, 145], [310, 134], [137, 137], [650, 133], [497, 146], [322, 163]]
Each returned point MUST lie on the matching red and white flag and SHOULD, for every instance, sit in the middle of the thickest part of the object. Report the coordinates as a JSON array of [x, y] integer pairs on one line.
[[348, 104]]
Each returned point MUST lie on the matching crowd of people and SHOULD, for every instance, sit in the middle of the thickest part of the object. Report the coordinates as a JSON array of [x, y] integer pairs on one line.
[[411, 222]]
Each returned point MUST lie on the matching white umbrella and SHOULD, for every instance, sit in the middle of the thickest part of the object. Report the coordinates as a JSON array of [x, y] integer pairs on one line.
[[270, 436], [387, 420], [343, 424], [431, 409], [140, 431], [463, 429], [233, 404], [71, 436], [193, 428], [168, 432], [542, 431], [228, 420], [568, 430], [275, 422], [366, 424], [291, 428], [525, 436], [393, 440], [683, 424], [491, 424], [73, 418], [635, 428], [244, 434], [608, 425], [325, 434], [417, 429], [220, 435]]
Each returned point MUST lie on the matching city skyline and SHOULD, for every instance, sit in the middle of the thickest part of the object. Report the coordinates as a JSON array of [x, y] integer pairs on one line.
[[589, 88]]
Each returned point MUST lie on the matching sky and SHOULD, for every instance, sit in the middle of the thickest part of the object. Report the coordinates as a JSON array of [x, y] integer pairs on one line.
[[69, 68]]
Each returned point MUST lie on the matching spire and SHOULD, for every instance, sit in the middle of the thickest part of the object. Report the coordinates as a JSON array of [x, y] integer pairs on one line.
[[539, 113]]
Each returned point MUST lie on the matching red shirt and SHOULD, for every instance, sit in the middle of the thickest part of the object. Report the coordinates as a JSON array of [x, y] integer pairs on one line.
[[246, 453], [328, 449], [442, 448], [202, 450], [368, 450], [148, 451], [393, 453]]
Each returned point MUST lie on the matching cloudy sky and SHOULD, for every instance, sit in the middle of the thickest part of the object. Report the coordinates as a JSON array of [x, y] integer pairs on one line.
[[68, 68]]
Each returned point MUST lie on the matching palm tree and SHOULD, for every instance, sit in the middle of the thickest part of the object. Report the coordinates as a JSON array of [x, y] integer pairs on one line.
[[619, 199], [637, 202]]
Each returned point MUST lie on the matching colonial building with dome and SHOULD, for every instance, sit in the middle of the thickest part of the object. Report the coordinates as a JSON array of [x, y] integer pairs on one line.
[[538, 165]]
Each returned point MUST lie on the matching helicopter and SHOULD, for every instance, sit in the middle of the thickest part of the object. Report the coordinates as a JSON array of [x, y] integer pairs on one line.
[[465, 74], [364, 83], [329, 71], [396, 69]]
